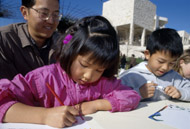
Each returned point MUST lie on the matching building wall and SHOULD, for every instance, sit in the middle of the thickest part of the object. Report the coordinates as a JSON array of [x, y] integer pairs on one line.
[[118, 12], [122, 12], [144, 13], [130, 17], [185, 37], [133, 17]]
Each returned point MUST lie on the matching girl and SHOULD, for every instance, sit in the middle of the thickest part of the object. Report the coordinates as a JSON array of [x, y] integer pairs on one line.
[[182, 65], [83, 78]]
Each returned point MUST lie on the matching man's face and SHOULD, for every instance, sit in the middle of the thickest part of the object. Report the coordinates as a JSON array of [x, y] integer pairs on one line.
[[39, 28], [160, 62]]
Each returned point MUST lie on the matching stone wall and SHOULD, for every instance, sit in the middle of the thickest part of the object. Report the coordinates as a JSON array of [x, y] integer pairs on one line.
[[130, 18], [119, 12], [144, 13]]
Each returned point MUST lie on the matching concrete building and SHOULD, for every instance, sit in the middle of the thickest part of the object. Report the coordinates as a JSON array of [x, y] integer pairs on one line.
[[134, 20], [185, 38]]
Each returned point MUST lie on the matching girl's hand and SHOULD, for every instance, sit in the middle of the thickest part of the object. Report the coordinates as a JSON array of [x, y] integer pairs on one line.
[[60, 117], [172, 92], [93, 106], [86, 107], [147, 90]]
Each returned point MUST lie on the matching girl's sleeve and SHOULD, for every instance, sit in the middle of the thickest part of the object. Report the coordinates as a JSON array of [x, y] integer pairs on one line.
[[122, 98], [17, 90], [183, 85]]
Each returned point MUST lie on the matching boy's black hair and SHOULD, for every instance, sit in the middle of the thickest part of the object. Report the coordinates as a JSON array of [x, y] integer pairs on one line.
[[167, 40], [94, 36], [29, 3]]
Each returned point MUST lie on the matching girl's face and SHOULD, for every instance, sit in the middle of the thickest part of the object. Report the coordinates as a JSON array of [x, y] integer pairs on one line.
[[84, 71], [160, 62], [185, 69]]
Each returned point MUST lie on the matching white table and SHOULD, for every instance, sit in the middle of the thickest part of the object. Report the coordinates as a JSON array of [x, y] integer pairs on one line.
[[136, 119]]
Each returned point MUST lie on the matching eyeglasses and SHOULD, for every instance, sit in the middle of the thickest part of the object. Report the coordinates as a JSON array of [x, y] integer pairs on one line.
[[45, 15]]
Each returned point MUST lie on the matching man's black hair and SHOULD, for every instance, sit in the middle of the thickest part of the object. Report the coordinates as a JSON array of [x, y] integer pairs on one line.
[[29, 3]]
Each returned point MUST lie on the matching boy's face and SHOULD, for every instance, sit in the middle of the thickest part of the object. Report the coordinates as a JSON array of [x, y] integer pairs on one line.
[[84, 71], [160, 62]]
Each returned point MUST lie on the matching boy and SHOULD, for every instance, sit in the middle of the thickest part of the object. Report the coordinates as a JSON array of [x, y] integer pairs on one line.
[[154, 79]]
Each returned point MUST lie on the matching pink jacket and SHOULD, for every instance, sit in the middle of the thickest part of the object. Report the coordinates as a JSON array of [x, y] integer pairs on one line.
[[32, 90]]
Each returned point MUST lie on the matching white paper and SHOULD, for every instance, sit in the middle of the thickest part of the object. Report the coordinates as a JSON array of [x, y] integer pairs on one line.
[[81, 124], [175, 116]]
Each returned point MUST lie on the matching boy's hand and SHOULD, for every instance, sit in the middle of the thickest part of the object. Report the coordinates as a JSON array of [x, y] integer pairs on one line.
[[60, 117], [147, 90], [172, 92]]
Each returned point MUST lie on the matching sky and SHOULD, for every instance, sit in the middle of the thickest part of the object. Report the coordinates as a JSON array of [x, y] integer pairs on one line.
[[177, 11], [81, 8]]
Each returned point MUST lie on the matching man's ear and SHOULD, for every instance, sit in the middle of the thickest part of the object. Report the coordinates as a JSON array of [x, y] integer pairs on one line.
[[181, 62], [147, 54], [24, 11]]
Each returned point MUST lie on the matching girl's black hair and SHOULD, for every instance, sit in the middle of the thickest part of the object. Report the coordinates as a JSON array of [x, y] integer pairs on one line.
[[93, 35], [167, 40]]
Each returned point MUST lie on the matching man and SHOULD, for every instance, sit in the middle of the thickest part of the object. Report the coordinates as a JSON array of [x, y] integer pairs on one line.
[[26, 46], [132, 61]]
